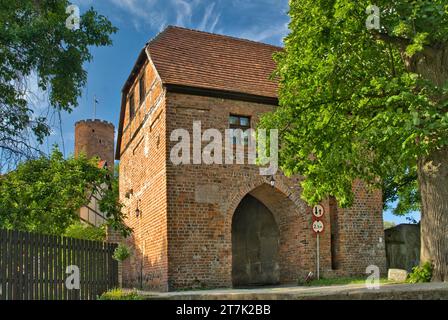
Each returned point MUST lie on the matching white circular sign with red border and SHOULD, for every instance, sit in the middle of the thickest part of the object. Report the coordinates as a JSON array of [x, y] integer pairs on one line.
[[318, 211], [318, 226]]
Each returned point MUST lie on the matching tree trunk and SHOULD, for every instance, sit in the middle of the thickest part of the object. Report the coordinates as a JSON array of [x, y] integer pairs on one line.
[[433, 182], [432, 65]]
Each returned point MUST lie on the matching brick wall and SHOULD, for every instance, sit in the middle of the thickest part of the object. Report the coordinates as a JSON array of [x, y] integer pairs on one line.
[[361, 232], [183, 237], [95, 138], [143, 184], [199, 234]]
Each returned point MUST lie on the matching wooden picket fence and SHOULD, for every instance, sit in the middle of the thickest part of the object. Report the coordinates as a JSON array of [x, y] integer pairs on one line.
[[42, 267]]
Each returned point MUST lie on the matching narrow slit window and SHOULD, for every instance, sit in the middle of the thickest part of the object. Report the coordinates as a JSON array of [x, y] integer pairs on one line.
[[131, 107], [142, 89]]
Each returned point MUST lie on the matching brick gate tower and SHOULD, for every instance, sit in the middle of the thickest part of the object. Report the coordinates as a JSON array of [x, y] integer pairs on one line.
[[222, 224], [95, 138]]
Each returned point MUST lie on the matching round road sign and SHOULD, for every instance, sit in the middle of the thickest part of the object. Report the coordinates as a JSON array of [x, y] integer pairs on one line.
[[318, 211], [318, 226]]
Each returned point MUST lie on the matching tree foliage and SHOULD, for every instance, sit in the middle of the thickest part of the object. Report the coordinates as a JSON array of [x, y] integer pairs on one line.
[[401, 194], [45, 194], [388, 224], [34, 41], [357, 103], [80, 230]]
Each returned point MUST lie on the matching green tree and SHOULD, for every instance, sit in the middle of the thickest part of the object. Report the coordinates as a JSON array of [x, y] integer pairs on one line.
[[35, 42], [80, 230], [402, 191], [359, 103], [389, 224], [45, 194]]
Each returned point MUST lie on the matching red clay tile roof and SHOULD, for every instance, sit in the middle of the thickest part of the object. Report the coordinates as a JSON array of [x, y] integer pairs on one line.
[[196, 59], [205, 60]]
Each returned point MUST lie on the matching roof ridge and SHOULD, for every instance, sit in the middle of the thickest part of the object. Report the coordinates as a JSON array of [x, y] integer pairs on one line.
[[155, 38], [214, 34]]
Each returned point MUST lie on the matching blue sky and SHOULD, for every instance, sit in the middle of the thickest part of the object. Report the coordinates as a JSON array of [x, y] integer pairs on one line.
[[139, 21]]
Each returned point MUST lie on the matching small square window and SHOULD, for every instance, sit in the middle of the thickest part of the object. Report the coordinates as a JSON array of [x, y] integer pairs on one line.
[[239, 124]]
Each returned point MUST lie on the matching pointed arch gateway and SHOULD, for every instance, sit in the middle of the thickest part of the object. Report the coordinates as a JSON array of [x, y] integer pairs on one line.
[[255, 244], [265, 238]]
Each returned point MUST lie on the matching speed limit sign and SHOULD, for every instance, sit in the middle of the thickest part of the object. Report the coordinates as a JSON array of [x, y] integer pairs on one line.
[[318, 226], [318, 211]]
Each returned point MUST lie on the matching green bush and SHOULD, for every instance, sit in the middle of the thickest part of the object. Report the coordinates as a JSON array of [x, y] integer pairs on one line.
[[121, 253], [83, 231], [421, 273], [118, 294]]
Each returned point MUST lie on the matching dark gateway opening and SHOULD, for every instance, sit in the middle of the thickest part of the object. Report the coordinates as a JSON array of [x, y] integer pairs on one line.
[[255, 243]]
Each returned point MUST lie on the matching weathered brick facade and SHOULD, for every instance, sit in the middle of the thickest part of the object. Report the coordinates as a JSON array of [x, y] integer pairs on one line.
[[95, 138], [183, 236]]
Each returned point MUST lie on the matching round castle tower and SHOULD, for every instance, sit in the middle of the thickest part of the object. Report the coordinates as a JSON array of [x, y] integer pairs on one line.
[[95, 138]]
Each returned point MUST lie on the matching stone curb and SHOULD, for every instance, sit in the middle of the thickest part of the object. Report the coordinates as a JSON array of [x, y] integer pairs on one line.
[[432, 291]]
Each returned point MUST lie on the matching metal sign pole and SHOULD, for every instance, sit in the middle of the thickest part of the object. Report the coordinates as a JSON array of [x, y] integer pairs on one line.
[[318, 228], [318, 258]]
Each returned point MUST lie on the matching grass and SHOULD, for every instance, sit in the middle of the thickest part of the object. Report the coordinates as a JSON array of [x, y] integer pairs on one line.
[[340, 281], [119, 294]]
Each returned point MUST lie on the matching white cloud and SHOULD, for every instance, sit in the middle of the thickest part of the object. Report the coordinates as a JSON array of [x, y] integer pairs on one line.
[[184, 12], [195, 14], [188, 10], [257, 33], [205, 15], [210, 19], [142, 13]]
